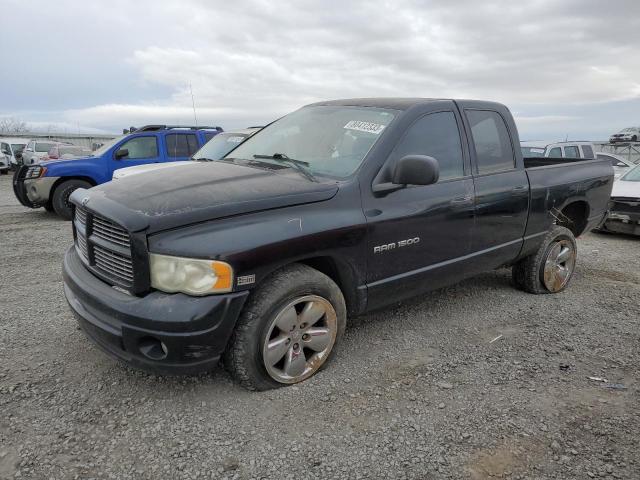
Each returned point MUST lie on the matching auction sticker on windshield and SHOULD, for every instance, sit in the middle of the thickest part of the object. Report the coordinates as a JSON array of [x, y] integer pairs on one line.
[[368, 127]]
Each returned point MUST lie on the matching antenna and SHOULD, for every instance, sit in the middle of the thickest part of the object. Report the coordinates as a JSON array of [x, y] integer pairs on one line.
[[193, 104]]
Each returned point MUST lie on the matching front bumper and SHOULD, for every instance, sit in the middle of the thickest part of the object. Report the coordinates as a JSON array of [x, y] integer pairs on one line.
[[623, 223], [32, 193], [193, 331]]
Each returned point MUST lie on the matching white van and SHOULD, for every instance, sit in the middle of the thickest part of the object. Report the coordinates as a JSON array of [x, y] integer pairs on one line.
[[10, 151], [558, 149]]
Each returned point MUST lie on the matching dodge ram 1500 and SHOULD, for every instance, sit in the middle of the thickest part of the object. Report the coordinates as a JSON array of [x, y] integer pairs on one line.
[[336, 209]]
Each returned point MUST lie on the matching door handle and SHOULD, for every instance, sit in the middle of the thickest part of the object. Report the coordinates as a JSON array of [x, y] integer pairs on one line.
[[519, 189]]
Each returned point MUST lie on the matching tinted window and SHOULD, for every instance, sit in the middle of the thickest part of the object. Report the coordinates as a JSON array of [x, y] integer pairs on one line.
[[494, 152], [556, 152], [4, 148], [181, 144], [141, 147], [571, 152], [437, 136], [587, 151]]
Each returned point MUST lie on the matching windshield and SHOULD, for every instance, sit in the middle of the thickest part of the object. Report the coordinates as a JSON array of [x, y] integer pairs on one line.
[[628, 130], [632, 175], [100, 151], [532, 152], [330, 140], [220, 145], [17, 147]]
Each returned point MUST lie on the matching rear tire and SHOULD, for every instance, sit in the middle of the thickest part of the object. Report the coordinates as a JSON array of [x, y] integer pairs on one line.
[[550, 269], [278, 340], [60, 197]]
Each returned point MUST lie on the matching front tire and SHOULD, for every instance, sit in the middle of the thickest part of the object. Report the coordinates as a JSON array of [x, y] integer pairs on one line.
[[60, 198], [287, 330], [550, 269]]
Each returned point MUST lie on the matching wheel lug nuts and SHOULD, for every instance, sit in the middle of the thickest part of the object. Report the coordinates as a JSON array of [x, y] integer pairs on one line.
[[296, 346], [305, 336], [304, 325]]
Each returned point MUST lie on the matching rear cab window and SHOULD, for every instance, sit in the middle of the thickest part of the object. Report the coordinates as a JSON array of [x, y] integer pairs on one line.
[[587, 151], [494, 151], [44, 147]]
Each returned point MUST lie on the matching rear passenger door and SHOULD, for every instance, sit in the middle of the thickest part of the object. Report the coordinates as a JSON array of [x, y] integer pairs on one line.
[[180, 146], [501, 190]]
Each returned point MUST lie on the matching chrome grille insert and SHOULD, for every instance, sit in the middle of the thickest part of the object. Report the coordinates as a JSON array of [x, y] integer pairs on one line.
[[109, 231], [81, 244], [113, 263], [81, 215]]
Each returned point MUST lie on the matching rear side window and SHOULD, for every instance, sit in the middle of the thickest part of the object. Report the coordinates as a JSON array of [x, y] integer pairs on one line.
[[494, 152], [614, 161], [435, 135], [555, 152], [181, 144], [587, 151], [571, 152]]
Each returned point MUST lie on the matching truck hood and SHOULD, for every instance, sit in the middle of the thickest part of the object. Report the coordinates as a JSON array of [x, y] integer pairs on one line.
[[125, 172], [197, 192]]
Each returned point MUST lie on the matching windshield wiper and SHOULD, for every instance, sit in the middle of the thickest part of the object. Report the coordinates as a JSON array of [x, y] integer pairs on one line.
[[300, 165]]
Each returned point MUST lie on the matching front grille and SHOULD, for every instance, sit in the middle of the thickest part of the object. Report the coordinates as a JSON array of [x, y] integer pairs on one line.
[[109, 231], [105, 247], [113, 263]]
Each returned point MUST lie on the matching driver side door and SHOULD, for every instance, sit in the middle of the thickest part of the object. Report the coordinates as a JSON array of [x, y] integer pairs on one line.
[[141, 150], [418, 234]]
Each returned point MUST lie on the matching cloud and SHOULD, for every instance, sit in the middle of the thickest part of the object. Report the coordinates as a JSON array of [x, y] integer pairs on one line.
[[254, 60]]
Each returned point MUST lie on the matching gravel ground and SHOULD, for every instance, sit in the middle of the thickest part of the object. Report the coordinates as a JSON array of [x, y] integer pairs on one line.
[[416, 391]]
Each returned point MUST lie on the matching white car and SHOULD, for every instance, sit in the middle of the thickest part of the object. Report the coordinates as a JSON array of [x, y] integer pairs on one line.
[[624, 216], [10, 151], [630, 134], [620, 165], [214, 149], [557, 149], [36, 150]]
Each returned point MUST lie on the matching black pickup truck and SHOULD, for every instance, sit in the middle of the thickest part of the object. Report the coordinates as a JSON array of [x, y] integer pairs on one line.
[[336, 209]]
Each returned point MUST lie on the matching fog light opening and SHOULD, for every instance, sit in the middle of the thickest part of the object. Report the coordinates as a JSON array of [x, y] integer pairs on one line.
[[153, 348]]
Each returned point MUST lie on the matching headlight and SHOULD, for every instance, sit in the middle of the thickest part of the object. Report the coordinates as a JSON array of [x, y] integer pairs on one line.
[[36, 171], [192, 276]]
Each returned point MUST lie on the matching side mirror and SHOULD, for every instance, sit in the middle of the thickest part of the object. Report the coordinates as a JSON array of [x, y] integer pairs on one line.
[[411, 170], [416, 170], [122, 153]]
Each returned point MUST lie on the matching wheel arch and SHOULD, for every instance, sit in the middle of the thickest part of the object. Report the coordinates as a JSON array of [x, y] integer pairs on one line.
[[574, 215]]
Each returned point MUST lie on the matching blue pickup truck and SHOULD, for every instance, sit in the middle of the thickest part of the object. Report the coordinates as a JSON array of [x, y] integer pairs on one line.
[[49, 184]]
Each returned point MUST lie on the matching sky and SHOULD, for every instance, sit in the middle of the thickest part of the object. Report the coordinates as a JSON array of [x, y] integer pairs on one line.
[[566, 68]]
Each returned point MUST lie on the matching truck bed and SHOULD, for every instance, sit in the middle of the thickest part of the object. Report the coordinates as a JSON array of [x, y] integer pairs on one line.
[[557, 181]]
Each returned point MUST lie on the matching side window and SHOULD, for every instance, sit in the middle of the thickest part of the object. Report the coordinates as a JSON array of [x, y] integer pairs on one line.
[[571, 152], [208, 136], [494, 152], [437, 136], [555, 152], [141, 147], [181, 144], [587, 151], [4, 148]]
